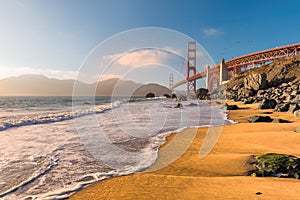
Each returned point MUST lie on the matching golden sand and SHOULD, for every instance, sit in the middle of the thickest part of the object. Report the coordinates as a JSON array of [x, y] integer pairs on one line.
[[222, 174]]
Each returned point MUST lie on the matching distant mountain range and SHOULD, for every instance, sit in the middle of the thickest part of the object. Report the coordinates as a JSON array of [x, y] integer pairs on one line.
[[39, 85]]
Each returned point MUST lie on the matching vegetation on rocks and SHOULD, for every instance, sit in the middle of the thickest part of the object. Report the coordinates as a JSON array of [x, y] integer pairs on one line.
[[277, 165]]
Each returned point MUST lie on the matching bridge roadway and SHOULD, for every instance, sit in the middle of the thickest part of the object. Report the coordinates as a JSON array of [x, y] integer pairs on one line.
[[235, 65]]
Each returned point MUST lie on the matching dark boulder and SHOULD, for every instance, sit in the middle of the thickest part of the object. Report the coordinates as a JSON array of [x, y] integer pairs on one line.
[[283, 107], [167, 96], [192, 104], [150, 95], [173, 96], [268, 104], [255, 119], [179, 105], [202, 93], [231, 107]]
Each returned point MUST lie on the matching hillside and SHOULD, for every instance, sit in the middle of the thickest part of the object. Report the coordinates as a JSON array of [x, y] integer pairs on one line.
[[39, 85], [158, 90]]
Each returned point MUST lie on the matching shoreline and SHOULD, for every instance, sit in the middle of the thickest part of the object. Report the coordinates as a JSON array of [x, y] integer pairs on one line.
[[221, 174]]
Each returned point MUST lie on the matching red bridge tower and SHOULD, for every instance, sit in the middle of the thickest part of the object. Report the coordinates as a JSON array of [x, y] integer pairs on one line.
[[191, 67]]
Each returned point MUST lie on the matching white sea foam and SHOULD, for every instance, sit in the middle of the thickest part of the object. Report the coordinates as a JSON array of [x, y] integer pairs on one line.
[[46, 166], [45, 118], [54, 135]]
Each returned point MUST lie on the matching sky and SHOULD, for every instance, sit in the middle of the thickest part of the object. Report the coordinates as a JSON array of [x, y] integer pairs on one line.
[[57, 38]]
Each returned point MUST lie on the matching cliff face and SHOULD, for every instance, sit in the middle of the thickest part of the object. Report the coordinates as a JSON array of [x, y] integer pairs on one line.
[[275, 85], [275, 73]]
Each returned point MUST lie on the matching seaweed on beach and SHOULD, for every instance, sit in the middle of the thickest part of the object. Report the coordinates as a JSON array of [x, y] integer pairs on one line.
[[277, 165]]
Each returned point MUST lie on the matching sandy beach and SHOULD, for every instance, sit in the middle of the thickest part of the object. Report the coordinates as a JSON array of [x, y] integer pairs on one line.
[[222, 174]]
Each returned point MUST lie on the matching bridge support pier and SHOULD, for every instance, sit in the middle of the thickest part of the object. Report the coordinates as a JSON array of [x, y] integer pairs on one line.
[[223, 72], [207, 77]]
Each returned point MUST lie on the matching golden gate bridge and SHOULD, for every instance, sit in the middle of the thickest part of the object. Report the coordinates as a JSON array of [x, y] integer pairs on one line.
[[217, 75]]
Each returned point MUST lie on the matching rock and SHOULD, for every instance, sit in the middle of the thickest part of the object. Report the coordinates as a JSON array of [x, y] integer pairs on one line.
[[231, 107], [295, 88], [290, 98], [255, 119], [297, 130], [284, 84], [285, 96], [260, 92], [150, 95], [246, 92], [192, 104], [278, 101], [297, 113], [238, 86], [283, 107], [182, 98], [173, 96], [296, 99], [258, 193], [255, 81], [289, 90], [229, 94], [293, 108], [277, 120], [179, 105], [249, 101], [294, 93], [268, 104], [167, 96], [277, 165], [202, 93]]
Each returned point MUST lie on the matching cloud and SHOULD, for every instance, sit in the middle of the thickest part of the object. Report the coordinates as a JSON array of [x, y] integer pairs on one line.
[[211, 32], [109, 76], [140, 58], [175, 50], [51, 73]]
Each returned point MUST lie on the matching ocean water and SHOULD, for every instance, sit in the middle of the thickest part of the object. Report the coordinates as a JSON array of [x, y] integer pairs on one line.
[[51, 147]]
